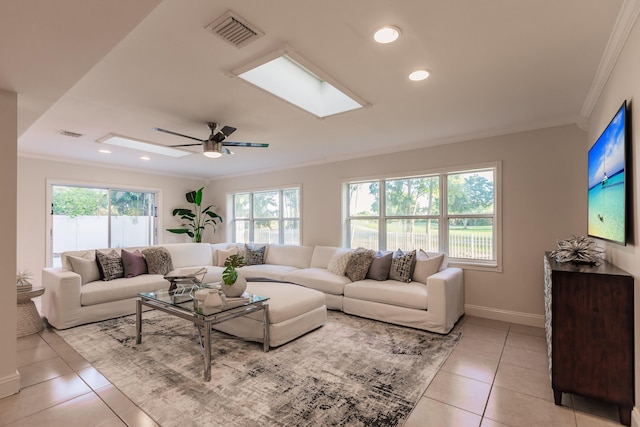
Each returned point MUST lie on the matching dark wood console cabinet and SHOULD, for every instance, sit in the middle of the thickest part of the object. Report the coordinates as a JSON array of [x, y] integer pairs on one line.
[[590, 338]]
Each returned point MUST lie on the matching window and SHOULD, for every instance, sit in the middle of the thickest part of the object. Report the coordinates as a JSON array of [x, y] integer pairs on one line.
[[93, 217], [268, 216], [453, 211]]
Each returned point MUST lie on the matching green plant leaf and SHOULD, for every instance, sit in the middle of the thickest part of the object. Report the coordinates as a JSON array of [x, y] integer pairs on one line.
[[178, 230], [198, 199], [191, 197]]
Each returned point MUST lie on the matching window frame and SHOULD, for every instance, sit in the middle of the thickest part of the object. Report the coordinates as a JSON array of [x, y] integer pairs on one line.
[[281, 219], [51, 182], [442, 217]]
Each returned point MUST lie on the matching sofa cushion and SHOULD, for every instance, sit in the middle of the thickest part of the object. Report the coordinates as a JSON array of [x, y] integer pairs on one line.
[[269, 271], [287, 300], [359, 264], [190, 254], [86, 267], [339, 260], [380, 266], [402, 265], [426, 266], [110, 265], [319, 279], [158, 260], [119, 289], [295, 256], [402, 294], [133, 263], [322, 255]]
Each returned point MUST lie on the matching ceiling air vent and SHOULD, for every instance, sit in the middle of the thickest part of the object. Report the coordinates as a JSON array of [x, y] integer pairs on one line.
[[70, 134], [234, 30]]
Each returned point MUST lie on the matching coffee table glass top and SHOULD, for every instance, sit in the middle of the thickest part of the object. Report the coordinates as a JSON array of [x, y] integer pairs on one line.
[[186, 300]]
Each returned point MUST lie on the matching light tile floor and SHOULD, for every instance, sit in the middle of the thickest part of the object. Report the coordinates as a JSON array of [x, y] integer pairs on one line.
[[496, 376]]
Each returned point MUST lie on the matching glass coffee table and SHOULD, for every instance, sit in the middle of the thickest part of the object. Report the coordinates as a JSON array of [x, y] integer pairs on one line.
[[184, 305]]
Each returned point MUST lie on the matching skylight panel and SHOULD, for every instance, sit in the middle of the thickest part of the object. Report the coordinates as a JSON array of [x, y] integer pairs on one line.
[[134, 144], [285, 76]]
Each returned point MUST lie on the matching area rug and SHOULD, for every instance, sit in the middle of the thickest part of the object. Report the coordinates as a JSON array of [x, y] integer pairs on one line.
[[351, 371]]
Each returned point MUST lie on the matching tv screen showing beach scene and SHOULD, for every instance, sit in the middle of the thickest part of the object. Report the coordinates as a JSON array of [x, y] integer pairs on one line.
[[607, 210]]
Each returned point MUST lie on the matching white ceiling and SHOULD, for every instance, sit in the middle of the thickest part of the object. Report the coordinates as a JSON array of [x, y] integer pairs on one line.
[[98, 67]]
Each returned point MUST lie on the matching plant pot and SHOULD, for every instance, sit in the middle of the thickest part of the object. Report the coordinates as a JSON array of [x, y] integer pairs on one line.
[[236, 289]]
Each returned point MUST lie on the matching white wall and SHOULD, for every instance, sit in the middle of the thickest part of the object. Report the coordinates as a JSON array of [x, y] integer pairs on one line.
[[625, 84], [33, 210], [544, 199], [9, 377]]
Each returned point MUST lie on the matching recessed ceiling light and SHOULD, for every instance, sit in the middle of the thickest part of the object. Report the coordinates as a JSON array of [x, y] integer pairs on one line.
[[418, 75], [292, 78], [134, 144], [105, 151], [145, 158], [387, 34]]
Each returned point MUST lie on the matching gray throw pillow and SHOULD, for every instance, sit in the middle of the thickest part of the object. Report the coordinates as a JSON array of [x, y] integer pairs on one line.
[[254, 256], [402, 266], [158, 260], [380, 265], [110, 265], [359, 264]]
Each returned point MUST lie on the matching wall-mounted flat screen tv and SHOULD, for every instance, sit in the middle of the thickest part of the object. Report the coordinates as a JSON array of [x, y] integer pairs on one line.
[[607, 177]]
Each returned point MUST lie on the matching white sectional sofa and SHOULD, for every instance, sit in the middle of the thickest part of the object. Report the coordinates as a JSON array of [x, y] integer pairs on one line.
[[72, 298]]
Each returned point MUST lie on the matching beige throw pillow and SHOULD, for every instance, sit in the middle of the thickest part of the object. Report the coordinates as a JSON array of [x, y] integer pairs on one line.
[[224, 254], [426, 266], [86, 268], [338, 262]]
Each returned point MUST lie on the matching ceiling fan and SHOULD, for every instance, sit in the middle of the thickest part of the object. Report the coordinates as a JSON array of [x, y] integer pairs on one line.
[[216, 145]]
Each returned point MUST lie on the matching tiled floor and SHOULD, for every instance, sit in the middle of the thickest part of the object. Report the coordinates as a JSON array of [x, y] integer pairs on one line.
[[496, 376]]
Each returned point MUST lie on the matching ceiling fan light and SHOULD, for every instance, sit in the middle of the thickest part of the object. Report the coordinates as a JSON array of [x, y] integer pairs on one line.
[[212, 149]]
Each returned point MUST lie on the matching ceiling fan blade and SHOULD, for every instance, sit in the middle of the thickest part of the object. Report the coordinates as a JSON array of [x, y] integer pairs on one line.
[[228, 130], [178, 134], [225, 150], [244, 144], [185, 145]]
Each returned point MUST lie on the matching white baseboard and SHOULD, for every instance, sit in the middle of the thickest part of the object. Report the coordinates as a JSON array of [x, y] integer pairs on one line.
[[635, 417], [10, 385], [520, 318]]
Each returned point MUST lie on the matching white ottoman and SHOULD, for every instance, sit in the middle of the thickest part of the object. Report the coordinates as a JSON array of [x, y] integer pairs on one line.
[[293, 311]]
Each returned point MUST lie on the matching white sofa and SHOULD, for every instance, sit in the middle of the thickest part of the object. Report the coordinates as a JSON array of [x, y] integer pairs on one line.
[[434, 306]]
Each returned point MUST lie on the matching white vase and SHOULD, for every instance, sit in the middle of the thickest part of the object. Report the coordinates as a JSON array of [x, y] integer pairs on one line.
[[236, 289]]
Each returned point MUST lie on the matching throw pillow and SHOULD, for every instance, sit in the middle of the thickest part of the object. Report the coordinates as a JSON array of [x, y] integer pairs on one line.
[[86, 268], [224, 254], [253, 256], [380, 266], [402, 266], [359, 264], [158, 260], [133, 263], [338, 262], [110, 265], [426, 266]]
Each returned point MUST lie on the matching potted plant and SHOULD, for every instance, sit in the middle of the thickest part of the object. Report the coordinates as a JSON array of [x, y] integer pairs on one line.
[[233, 284], [196, 220]]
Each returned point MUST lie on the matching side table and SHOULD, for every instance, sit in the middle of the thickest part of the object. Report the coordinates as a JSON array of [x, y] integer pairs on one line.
[[28, 319]]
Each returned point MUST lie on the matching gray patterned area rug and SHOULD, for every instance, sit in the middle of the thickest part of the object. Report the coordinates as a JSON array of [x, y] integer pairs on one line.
[[351, 371]]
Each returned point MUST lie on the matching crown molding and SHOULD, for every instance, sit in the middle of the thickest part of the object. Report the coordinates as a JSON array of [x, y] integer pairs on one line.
[[624, 24]]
